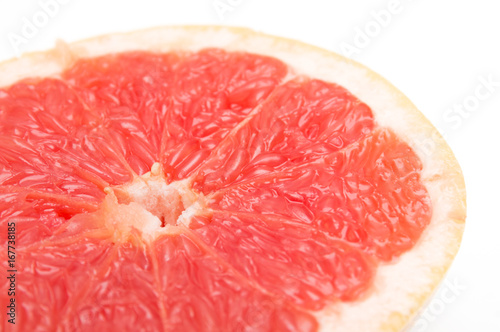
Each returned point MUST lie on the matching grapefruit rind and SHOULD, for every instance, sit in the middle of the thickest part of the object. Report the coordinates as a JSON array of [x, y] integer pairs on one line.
[[401, 287]]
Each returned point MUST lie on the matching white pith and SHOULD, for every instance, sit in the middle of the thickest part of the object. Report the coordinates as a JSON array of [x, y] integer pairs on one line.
[[149, 205], [401, 287]]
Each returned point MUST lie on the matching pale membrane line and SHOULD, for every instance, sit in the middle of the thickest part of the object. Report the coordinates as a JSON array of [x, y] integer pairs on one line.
[[63, 198], [291, 221], [118, 153], [271, 217], [31, 194], [91, 177], [298, 224], [161, 153], [49, 241], [287, 169], [158, 287]]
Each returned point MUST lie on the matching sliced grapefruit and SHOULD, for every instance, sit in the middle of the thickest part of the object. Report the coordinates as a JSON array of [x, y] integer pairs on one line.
[[218, 179]]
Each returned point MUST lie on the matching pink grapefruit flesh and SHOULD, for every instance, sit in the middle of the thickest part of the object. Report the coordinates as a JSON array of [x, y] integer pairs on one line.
[[198, 191]]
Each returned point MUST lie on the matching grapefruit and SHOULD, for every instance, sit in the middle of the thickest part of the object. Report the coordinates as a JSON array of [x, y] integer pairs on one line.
[[218, 179]]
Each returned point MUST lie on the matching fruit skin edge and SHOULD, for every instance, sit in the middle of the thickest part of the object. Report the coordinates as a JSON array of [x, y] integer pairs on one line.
[[382, 309]]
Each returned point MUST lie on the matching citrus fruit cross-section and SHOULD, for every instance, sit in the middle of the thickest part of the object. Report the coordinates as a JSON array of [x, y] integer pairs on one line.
[[217, 179]]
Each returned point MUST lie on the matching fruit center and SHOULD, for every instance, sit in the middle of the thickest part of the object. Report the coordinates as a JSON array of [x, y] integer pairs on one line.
[[149, 205]]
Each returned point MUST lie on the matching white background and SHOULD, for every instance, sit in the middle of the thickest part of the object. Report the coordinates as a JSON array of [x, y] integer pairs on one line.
[[436, 52]]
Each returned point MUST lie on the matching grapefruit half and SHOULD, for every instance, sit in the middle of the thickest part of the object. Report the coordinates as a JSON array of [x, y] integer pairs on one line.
[[218, 179]]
